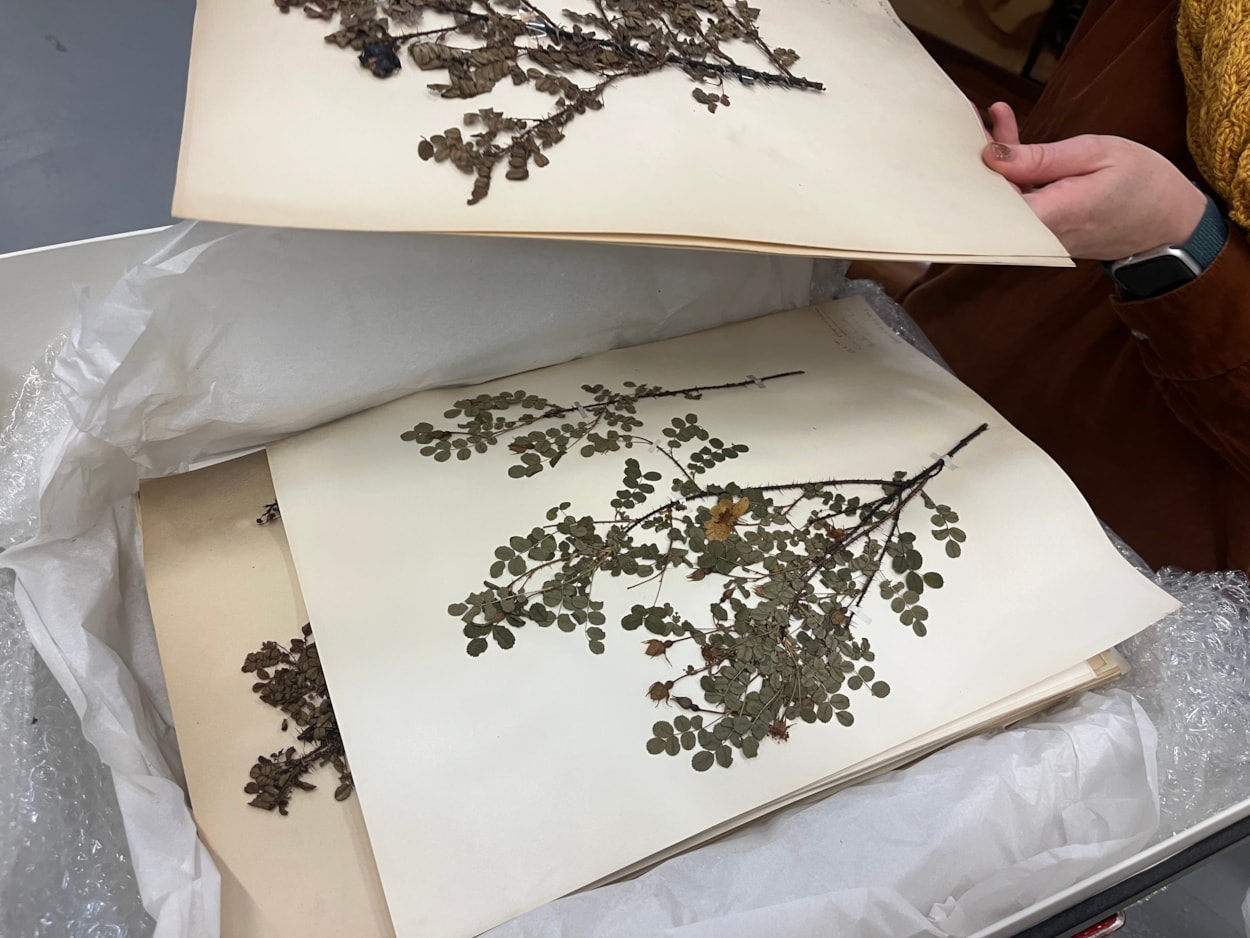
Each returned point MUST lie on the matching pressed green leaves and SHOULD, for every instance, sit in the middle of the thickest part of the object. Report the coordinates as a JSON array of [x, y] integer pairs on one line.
[[778, 641]]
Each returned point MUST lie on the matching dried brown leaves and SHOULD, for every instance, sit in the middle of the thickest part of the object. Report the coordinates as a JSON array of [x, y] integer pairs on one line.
[[621, 39], [291, 680]]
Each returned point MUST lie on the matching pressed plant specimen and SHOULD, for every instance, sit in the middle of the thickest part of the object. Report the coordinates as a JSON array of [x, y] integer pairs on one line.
[[289, 678], [570, 59], [780, 639]]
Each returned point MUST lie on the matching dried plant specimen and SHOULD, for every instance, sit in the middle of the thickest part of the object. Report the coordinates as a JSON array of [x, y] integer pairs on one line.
[[290, 679], [270, 514], [782, 642], [571, 59]]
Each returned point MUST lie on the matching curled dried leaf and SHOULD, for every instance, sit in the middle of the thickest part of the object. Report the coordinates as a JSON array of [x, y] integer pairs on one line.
[[656, 648]]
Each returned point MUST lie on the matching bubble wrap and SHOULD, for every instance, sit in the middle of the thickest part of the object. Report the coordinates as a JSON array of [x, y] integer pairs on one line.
[[1188, 672], [64, 867], [829, 277], [28, 421]]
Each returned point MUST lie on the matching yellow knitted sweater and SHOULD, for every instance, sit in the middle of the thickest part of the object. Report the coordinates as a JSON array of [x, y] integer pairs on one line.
[[1213, 42]]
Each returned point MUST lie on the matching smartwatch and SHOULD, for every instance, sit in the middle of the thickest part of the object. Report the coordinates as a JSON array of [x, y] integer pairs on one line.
[[1155, 272]]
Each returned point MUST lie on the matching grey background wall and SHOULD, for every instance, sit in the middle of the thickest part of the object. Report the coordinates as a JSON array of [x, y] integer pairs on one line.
[[91, 100]]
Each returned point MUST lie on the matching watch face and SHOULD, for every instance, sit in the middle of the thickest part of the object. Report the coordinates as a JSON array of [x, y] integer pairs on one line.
[[1153, 276]]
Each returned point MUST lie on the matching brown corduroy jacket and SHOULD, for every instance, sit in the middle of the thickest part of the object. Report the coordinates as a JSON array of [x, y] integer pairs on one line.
[[1145, 404]]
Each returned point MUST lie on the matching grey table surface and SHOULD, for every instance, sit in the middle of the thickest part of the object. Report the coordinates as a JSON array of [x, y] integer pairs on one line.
[[91, 102]]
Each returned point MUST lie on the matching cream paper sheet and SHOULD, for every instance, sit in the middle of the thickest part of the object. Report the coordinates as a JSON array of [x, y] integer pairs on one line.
[[284, 129], [219, 586], [198, 534], [1084, 676], [492, 785]]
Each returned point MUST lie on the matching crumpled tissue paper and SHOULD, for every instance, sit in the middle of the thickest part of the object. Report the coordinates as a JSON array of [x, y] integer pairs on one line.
[[950, 845], [229, 337]]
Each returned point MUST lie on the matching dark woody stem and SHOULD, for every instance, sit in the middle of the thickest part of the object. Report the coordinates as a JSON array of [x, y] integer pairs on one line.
[[647, 60], [597, 407], [904, 488]]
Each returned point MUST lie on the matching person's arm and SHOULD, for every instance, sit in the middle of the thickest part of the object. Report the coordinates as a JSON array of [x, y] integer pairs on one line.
[[1107, 198], [1195, 343]]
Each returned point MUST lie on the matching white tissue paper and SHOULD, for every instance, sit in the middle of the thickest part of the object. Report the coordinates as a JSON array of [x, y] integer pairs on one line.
[[230, 337], [946, 847]]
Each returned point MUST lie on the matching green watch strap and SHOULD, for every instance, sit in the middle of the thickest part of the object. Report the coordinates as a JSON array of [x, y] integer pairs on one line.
[[1209, 238]]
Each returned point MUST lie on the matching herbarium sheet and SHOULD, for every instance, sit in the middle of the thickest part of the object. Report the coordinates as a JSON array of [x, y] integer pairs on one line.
[[221, 588], [578, 617], [817, 127]]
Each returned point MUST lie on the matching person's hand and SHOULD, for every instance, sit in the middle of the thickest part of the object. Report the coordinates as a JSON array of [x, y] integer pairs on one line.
[[1103, 197]]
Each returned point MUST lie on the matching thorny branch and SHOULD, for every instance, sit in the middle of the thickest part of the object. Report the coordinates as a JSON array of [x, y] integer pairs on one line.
[[782, 641]]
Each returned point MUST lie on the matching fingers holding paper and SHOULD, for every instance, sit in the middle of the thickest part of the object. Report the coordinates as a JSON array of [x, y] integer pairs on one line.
[[1103, 197]]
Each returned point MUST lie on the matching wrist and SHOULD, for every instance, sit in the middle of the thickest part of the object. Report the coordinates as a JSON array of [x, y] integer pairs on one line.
[[1186, 219], [1160, 270]]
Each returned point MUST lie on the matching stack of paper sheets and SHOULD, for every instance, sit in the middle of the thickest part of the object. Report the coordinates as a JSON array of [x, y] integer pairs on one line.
[[283, 128], [489, 785]]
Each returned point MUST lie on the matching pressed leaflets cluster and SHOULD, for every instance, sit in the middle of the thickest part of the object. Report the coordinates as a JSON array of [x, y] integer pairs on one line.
[[289, 678], [571, 58], [781, 642]]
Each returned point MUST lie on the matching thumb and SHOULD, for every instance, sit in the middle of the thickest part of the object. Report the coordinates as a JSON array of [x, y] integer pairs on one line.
[[1041, 163]]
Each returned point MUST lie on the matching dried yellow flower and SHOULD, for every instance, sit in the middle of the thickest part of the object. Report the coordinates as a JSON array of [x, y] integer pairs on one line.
[[724, 517]]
